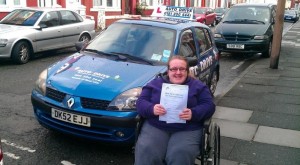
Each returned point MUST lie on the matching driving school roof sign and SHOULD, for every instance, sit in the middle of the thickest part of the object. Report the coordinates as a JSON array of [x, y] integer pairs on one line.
[[173, 11]]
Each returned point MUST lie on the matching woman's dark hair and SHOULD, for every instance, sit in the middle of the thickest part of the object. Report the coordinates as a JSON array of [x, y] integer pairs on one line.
[[180, 58]]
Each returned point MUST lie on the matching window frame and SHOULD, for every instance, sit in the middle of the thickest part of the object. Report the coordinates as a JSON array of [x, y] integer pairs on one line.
[[153, 5], [116, 5], [10, 5]]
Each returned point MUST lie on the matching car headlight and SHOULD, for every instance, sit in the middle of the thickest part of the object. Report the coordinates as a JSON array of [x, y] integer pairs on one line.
[[40, 84], [126, 100], [3, 42], [261, 37], [216, 35]]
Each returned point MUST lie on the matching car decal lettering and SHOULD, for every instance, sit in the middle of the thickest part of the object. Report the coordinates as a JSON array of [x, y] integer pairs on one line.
[[206, 63], [92, 77], [68, 64]]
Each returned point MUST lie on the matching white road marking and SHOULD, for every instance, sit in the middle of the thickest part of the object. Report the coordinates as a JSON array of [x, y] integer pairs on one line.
[[64, 162], [17, 146], [238, 65], [11, 155]]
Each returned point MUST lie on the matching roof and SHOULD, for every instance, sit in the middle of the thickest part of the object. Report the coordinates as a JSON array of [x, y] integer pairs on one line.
[[44, 9], [165, 23], [255, 4]]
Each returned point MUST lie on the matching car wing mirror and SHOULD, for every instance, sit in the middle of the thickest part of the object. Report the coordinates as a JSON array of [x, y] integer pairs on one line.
[[79, 45], [41, 26]]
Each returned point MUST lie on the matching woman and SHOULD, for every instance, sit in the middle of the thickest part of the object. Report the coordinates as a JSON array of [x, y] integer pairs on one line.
[[160, 142]]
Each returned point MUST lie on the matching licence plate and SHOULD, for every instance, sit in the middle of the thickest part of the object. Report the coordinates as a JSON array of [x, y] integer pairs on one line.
[[235, 46], [71, 118]]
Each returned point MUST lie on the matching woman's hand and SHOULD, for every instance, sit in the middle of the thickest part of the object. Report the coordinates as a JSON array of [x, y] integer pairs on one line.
[[159, 110], [186, 114]]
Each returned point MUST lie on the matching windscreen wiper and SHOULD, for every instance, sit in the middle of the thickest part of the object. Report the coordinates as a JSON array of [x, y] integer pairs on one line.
[[119, 56], [96, 51], [131, 57]]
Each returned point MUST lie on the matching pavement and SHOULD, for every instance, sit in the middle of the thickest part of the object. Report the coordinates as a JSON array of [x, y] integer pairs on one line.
[[259, 112]]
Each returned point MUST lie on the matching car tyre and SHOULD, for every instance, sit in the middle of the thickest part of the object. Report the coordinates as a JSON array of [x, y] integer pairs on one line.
[[213, 24], [84, 38], [267, 53], [21, 52]]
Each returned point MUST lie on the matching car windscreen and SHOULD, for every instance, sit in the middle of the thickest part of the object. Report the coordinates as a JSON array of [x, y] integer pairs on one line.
[[248, 14], [220, 10], [148, 43], [22, 17], [290, 12], [199, 11]]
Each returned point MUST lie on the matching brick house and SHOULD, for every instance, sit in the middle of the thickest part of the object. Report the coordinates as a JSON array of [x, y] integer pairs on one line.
[[107, 11]]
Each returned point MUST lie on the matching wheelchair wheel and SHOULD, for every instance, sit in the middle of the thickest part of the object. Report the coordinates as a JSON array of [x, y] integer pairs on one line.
[[203, 147], [214, 145], [217, 146]]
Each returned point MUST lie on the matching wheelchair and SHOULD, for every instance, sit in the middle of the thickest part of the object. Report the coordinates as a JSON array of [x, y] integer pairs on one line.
[[210, 142]]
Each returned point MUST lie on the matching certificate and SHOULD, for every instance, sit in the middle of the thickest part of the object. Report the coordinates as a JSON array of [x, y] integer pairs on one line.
[[174, 99]]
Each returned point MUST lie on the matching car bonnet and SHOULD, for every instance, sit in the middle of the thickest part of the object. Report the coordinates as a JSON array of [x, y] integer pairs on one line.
[[4, 29], [241, 29], [98, 78]]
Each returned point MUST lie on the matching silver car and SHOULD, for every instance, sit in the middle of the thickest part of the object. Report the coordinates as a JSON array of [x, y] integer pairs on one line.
[[24, 32]]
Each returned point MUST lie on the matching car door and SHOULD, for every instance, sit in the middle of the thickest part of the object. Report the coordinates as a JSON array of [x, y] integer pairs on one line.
[[50, 36], [71, 27], [207, 55]]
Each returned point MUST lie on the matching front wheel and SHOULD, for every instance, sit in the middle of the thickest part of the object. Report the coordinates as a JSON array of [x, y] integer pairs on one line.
[[267, 53], [213, 24], [21, 52], [84, 38]]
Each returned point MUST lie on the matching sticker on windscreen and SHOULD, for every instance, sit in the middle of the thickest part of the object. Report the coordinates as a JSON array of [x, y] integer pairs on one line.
[[166, 55], [156, 57]]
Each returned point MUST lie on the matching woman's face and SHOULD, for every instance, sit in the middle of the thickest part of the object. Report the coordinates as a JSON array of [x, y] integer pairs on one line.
[[177, 71]]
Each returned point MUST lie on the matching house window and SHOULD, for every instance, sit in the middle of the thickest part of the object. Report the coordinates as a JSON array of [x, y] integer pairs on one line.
[[47, 3], [2, 2], [17, 2], [14, 2], [107, 3], [151, 3], [9, 5]]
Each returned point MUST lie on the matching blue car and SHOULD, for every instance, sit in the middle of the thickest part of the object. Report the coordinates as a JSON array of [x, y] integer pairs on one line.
[[92, 94]]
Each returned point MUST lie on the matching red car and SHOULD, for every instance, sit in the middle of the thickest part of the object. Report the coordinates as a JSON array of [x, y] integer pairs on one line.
[[205, 15]]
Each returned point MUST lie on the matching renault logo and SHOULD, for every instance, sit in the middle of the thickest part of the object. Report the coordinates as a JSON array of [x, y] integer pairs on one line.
[[70, 102]]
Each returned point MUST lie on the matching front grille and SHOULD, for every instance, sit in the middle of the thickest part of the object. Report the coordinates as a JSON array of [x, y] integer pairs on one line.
[[237, 37], [94, 103], [55, 94]]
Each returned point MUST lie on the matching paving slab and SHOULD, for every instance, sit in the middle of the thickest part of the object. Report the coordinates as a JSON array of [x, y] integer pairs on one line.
[[279, 120], [255, 153], [238, 130], [233, 114], [278, 136]]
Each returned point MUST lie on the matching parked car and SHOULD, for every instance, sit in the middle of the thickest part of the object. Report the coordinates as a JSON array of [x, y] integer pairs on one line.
[[92, 93], [24, 32], [205, 15], [291, 15], [1, 153], [246, 28], [219, 13]]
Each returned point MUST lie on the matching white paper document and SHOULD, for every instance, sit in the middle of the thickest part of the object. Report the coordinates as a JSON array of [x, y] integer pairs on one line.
[[174, 99]]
